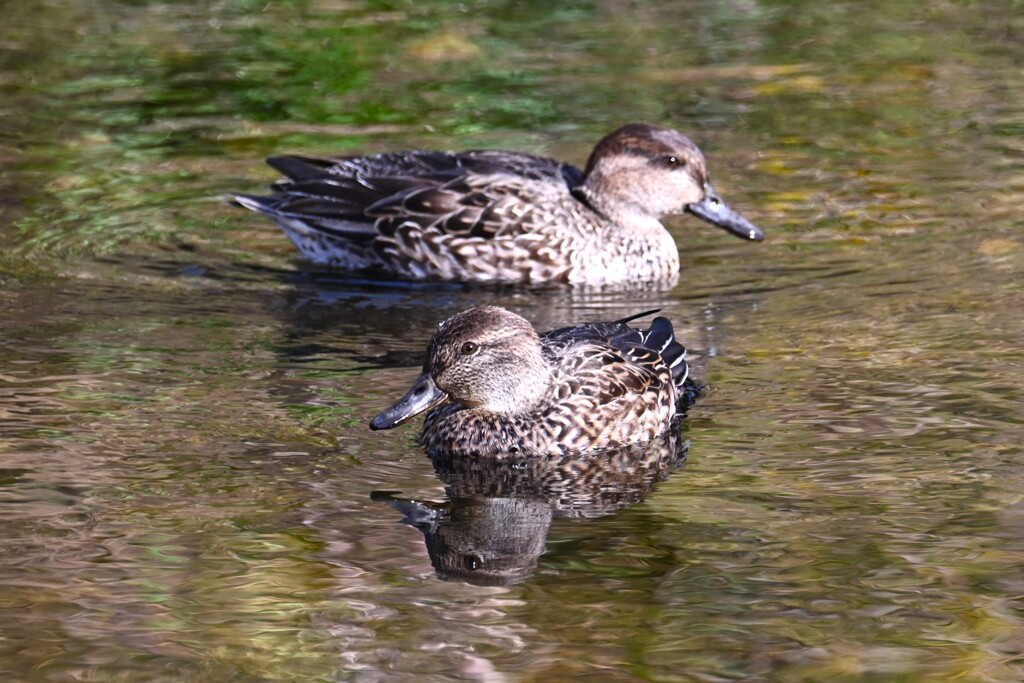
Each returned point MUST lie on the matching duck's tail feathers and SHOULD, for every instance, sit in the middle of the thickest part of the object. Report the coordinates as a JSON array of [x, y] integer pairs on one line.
[[299, 168], [265, 205], [661, 337], [304, 215], [635, 316]]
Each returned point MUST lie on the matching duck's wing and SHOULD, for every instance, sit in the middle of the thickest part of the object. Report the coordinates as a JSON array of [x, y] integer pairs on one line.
[[476, 193], [589, 375], [648, 348]]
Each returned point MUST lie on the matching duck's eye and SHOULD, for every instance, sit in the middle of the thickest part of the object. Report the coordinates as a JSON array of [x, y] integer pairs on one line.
[[469, 348], [674, 162]]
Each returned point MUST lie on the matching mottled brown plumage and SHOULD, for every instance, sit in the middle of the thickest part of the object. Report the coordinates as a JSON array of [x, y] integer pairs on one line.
[[493, 527], [494, 216], [498, 388]]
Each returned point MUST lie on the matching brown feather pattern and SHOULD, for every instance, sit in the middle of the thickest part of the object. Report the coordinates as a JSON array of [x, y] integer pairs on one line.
[[570, 390], [488, 215]]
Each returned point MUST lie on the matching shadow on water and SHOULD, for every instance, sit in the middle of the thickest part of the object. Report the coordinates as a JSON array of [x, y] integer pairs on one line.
[[493, 528]]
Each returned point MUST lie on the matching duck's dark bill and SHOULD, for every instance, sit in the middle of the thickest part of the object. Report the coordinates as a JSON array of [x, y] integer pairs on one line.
[[423, 396], [715, 211]]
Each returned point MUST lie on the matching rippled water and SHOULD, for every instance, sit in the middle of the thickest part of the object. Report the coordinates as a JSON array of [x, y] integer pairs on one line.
[[188, 491]]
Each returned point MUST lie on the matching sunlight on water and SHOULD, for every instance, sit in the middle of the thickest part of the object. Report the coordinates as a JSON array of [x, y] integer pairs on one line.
[[188, 488]]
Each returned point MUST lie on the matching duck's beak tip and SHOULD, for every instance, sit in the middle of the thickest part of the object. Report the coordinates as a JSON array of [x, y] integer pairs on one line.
[[712, 209]]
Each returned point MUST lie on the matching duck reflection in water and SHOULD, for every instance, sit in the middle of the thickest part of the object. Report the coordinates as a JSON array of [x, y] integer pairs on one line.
[[580, 420], [493, 529]]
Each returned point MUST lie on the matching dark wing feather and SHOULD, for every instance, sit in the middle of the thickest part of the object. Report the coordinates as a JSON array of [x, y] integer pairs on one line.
[[477, 193], [649, 347], [299, 168], [593, 373]]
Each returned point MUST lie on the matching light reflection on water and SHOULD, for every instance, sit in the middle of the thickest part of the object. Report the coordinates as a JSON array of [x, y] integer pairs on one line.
[[186, 477], [216, 474]]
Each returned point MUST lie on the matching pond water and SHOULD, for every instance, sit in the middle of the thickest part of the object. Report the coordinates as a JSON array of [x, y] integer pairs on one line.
[[188, 488]]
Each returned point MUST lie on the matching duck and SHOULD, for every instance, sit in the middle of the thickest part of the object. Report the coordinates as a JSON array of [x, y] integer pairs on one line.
[[495, 387], [494, 216]]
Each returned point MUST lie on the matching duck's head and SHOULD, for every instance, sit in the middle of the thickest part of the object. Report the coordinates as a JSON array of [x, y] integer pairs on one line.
[[485, 358], [649, 171]]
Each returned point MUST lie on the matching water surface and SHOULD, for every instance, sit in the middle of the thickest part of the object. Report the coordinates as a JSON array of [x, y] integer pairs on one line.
[[188, 491]]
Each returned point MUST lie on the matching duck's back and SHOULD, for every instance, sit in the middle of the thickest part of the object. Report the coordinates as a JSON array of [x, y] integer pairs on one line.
[[465, 194], [430, 166], [611, 385], [478, 215], [608, 359]]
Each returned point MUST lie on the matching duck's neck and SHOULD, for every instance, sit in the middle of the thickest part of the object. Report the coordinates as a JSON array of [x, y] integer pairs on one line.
[[589, 199], [620, 196], [522, 390]]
